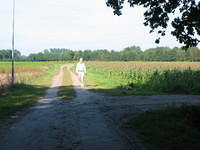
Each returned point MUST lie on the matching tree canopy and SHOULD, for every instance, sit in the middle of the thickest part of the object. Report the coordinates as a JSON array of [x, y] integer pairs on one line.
[[185, 23], [132, 53]]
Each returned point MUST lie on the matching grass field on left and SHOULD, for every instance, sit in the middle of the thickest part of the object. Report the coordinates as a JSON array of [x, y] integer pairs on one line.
[[32, 80]]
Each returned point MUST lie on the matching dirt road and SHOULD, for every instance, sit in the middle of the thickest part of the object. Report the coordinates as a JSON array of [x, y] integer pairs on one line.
[[88, 122]]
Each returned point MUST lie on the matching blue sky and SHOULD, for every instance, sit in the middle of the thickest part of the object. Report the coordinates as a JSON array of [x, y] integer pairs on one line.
[[74, 24]]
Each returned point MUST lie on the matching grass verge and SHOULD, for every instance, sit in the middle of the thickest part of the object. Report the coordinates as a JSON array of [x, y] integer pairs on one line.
[[98, 82], [19, 96], [173, 128], [25, 94], [66, 91]]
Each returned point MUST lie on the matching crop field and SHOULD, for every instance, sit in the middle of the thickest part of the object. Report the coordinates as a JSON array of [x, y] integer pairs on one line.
[[122, 78], [25, 72], [32, 80]]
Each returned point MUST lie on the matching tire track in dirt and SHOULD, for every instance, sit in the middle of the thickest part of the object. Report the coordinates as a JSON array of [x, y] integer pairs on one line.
[[49, 125]]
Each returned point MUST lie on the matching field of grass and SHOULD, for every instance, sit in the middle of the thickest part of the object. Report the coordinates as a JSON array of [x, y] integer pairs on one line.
[[173, 128], [34, 85], [24, 71], [129, 78]]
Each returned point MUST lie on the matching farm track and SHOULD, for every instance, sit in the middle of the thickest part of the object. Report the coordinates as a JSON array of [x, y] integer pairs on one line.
[[89, 121]]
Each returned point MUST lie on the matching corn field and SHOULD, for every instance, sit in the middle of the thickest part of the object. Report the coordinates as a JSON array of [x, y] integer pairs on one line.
[[173, 77]]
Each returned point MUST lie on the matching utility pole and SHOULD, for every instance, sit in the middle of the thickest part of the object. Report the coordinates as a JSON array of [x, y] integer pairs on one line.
[[13, 45]]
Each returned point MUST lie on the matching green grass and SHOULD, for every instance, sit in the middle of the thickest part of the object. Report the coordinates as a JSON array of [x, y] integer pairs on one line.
[[19, 96], [142, 81], [99, 82], [172, 128], [66, 91], [45, 80], [25, 94], [40, 63]]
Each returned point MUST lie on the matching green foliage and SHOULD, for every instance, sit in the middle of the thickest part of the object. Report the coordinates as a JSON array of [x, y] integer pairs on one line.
[[191, 115], [175, 81], [159, 13], [19, 96], [23, 94], [155, 79], [172, 128], [5, 55], [132, 53]]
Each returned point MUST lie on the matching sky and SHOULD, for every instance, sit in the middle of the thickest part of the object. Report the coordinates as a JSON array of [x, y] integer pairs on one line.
[[75, 24]]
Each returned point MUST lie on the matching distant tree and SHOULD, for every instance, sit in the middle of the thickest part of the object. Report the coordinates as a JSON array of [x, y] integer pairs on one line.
[[6, 55], [67, 55], [180, 55], [160, 54], [186, 23], [194, 53], [17, 55], [87, 54], [77, 55], [32, 57], [131, 53]]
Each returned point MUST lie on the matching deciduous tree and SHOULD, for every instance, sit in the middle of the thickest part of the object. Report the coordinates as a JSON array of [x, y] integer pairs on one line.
[[186, 20]]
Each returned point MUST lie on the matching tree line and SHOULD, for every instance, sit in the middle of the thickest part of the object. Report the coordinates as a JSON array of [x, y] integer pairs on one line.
[[133, 53]]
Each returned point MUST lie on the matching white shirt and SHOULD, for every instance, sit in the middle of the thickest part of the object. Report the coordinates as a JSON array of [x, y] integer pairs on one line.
[[80, 67]]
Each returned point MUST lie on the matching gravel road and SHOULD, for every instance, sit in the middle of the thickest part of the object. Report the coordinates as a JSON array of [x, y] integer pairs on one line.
[[90, 121]]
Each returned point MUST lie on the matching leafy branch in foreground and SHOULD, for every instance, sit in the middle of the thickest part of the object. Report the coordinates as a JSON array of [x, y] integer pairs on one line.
[[186, 22]]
